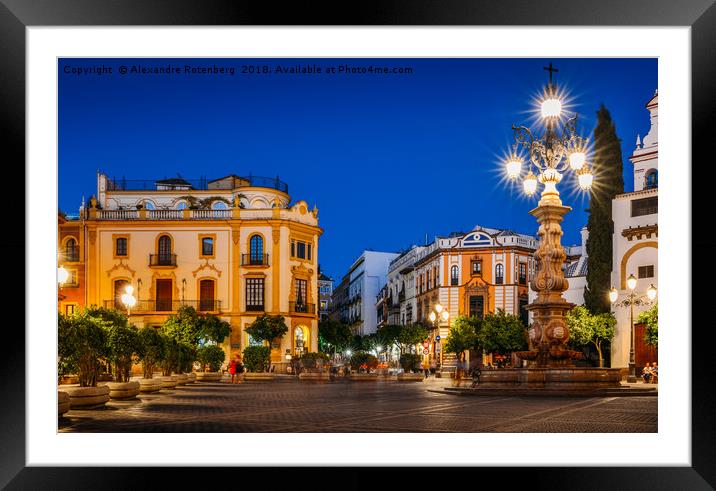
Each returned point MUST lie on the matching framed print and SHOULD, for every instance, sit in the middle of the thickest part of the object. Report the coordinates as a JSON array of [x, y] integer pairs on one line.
[[424, 236]]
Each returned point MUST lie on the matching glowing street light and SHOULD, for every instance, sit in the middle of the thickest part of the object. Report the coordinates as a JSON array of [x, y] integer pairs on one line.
[[632, 299], [128, 299], [556, 151], [62, 275]]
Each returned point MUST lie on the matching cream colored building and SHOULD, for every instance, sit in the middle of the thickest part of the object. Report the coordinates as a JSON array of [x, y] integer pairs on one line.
[[236, 247], [635, 242]]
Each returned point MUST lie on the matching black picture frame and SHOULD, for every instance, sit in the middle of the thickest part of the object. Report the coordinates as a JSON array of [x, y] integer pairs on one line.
[[700, 15]]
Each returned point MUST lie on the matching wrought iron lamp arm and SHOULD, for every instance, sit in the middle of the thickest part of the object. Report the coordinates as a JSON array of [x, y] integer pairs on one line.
[[640, 300], [524, 137]]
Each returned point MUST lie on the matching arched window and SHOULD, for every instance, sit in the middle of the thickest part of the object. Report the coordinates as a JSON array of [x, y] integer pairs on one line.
[[651, 179], [298, 340], [206, 295], [454, 276], [164, 245], [499, 274], [256, 250], [164, 256], [71, 251], [219, 205]]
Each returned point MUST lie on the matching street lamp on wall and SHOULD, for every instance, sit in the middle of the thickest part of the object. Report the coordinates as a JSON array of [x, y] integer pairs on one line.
[[632, 298]]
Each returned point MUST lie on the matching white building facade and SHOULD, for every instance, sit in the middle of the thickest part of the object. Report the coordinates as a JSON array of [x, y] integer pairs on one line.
[[366, 277], [635, 238], [400, 300]]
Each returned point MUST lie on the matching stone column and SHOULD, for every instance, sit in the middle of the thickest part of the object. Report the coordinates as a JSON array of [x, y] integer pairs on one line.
[[549, 332]]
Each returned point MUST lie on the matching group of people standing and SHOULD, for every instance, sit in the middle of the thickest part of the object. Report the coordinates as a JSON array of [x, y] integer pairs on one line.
[[236, 370], [650, 374]]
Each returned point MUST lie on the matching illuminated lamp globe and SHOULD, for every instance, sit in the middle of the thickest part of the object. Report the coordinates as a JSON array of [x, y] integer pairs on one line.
[[432, 316], [438, 308], [577, 160], [613, 295], [348, 353], [631, 282], [551, 108], [445, 315], [62, 275], [585, 178], [530, 184], [514, 167], [128, 300], [129, 289], [651, 292]]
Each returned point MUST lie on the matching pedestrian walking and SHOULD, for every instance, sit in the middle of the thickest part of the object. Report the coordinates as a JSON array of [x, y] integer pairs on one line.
[[433, 367], [426, 368], [232, 370]]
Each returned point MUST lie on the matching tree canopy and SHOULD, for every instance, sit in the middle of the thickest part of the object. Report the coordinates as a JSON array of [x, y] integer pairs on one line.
[[463, 334], [267, 328], [587, 328], [651, 319], [502, 333], [333, 333]]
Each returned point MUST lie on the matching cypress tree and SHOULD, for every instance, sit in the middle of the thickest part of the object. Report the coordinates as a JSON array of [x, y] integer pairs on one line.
[[608, 182]]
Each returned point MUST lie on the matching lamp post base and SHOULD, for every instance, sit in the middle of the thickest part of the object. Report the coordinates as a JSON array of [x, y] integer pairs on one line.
[[631, 377]]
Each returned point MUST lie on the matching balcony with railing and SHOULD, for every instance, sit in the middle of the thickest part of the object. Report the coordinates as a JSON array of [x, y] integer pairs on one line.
[[302, 308], [162, 260], [204, 305], [254, 260], [181, 184]]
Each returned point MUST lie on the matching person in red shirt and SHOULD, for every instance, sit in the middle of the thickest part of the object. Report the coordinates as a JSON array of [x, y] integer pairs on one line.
[[232, 370]]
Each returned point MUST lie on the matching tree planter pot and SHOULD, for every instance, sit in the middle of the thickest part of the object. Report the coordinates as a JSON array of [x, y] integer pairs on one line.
[[123, 390], [149, 385], [87, 397], [208, 376], [181, 378], [190, 378], [410, 377], [315, 376], [364, 377], [258, 377], [168, 381], [63, 402]]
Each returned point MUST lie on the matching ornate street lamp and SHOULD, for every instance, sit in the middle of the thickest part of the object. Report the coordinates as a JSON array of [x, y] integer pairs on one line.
[[632, 298], [128, 299], [558, 151], [439, 313]]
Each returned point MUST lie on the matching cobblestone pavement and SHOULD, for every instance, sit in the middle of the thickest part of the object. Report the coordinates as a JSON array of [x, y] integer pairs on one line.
[[374, 407]]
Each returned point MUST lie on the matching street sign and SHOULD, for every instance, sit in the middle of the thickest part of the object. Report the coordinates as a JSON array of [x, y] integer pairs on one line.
[[437, 349], [425, 344], [426, 351], [437, 338]]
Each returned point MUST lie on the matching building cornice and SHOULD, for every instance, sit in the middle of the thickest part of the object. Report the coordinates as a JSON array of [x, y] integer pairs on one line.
[[643, 192], [641, 232]]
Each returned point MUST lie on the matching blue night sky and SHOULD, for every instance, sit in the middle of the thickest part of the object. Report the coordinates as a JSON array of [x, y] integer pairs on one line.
[[386, 158]]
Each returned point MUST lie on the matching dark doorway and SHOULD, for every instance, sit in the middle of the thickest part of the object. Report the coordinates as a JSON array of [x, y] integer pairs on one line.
[[164, 295]]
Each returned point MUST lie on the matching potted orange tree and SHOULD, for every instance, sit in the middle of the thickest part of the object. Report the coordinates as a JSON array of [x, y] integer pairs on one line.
[[81, 346]]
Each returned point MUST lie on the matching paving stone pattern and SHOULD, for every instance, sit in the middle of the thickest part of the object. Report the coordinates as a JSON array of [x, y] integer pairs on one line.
[[340, 407]]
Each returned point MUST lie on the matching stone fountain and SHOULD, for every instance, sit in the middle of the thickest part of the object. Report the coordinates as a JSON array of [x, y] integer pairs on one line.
[[550, 363]]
